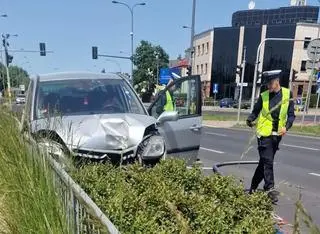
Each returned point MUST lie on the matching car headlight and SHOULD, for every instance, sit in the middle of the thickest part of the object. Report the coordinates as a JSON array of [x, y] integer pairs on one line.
[[153, 147]]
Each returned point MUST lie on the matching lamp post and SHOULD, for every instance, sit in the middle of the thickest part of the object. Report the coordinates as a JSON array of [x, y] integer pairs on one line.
[[131, 8]]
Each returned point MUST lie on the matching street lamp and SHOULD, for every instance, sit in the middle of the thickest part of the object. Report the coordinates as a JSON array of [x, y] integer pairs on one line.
[[131, 33], [184, 26], [4, 15]]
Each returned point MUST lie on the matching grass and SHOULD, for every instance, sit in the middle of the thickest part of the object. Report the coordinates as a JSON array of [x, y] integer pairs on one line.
[[29, 203], [222, 118], [311, 130]]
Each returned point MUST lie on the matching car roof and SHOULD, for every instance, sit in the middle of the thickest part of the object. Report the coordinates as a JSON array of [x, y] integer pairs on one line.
[[76, 75]]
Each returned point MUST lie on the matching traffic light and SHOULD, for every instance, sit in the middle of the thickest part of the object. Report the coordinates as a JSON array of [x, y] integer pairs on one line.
[[94, 52], [9, 58], [239, 70], [42, 49], [189, 71]]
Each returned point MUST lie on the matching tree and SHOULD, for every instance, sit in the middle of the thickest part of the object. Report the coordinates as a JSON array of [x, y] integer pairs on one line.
[[18, 76], [145, 74]]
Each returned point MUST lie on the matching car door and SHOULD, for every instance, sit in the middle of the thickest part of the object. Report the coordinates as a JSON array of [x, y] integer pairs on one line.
[[182, 137]]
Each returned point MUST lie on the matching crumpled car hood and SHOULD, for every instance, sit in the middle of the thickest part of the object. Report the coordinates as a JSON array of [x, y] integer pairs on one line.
[[98, 132]]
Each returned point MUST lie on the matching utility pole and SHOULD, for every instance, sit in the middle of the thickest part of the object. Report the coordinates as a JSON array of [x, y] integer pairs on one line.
[[6, 63], [192, 32], [157, 58], [241, 84]]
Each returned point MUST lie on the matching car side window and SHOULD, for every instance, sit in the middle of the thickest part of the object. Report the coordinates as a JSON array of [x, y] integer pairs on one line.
[[183, 97]]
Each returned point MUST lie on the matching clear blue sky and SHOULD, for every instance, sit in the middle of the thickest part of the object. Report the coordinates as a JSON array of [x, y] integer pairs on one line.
[[71, 27]]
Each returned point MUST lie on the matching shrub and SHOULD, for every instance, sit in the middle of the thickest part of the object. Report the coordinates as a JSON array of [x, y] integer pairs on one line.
[[170, 198]]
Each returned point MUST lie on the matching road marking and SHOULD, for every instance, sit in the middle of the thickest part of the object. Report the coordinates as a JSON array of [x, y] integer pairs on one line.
[[212, 150], [314, 174], [301, 147], [216, 134]]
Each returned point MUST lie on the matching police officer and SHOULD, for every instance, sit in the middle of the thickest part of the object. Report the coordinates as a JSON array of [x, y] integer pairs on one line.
[[166, 102], [275, 112]]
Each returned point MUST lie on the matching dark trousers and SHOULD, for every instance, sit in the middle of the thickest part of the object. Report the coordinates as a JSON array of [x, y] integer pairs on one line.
[[267, 146]]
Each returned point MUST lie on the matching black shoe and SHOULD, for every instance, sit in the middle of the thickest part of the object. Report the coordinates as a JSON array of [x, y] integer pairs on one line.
[[273, 195], [252, 191]]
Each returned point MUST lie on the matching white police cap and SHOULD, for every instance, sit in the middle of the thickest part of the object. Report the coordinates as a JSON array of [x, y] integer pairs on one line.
[[271, 75]]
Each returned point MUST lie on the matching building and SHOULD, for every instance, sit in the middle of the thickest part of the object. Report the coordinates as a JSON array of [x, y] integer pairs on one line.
[[202, 59], [290, 57], [299, 65], [284, 15]]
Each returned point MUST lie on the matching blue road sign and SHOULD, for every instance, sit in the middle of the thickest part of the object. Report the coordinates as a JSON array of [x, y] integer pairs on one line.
[[166, 74], [215, 88], [318, 78]]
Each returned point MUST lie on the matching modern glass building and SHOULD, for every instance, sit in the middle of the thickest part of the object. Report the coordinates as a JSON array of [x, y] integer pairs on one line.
[[276, 55], [283, 15]]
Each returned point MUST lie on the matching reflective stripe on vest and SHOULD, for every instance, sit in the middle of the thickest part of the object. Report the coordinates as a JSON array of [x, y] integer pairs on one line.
[[264, 127], [169, 104]]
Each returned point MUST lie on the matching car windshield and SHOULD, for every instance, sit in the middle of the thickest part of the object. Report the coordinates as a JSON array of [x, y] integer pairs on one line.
[[20, 96], [86, 96]]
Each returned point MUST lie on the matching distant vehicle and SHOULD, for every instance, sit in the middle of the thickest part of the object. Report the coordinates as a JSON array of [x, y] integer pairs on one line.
[[226, 102], [98, 116], [244, 105], [20, 99]]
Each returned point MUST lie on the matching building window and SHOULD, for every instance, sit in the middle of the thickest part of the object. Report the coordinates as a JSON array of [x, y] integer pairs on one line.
[[206, 69], [198, 50], [207, 50], [202, 51], [306, 42], [201, 69], [197, 69], [300, 90], [303, 66]]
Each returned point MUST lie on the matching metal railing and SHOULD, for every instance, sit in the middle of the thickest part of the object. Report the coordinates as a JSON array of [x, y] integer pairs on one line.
[[83, 215]]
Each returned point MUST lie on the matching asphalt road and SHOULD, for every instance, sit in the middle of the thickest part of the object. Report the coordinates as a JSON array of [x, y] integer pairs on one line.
[[297, 165]]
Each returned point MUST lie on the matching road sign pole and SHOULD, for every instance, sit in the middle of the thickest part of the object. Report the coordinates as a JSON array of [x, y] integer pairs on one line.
[[241, 85], [314, 55], [316, 114]]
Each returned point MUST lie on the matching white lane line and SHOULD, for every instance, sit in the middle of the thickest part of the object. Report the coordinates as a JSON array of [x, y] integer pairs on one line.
[[216, 134], [301, 147], [212, 150], [314, 174]]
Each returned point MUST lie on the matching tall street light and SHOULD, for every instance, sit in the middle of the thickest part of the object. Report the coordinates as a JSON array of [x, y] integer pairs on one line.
[[131, 33], [4, 15]]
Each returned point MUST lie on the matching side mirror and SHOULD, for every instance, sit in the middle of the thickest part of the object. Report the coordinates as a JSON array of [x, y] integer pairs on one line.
[[168, 116]]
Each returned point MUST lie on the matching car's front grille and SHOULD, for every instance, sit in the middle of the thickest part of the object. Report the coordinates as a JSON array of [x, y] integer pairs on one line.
[[103, 155]]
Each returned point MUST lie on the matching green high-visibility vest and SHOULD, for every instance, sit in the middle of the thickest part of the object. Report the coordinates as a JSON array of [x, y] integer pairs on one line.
[[169, 104], [264, 126]]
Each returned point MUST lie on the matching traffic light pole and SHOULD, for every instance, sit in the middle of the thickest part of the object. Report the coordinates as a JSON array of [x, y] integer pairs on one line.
[[241, 84]]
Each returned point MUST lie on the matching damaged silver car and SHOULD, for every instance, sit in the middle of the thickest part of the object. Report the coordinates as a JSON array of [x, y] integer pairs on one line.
[[100, 117]]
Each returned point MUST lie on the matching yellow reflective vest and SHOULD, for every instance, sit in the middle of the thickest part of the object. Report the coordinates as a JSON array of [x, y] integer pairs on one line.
[[169, 104], [264, 126]]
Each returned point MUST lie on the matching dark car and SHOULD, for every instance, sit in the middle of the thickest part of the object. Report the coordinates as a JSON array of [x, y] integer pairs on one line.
[[244, 105], [226, 102]]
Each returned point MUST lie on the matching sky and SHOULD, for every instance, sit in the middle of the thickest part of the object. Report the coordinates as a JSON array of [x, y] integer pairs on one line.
[[71, 27]]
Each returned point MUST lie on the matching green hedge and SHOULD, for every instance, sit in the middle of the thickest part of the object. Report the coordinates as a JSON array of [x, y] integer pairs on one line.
[[170, 198], [313, 100]]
